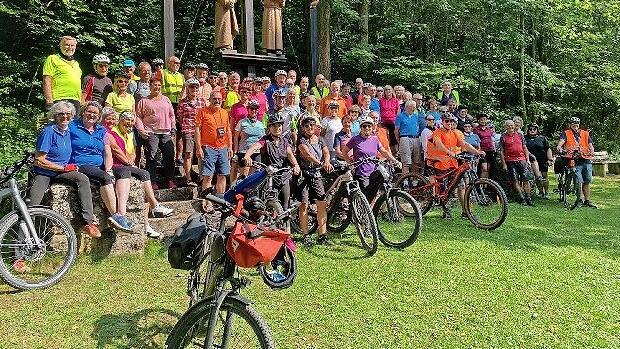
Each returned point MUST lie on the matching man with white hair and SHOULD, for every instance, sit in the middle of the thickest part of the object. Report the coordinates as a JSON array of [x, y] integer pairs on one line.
[[447, 93], [408, 126], [321, 90], [62, 75]]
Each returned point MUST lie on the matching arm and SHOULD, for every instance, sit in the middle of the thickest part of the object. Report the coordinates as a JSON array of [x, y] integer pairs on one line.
[[40, 160], [560, 145], [198, 150], [439, 144], [47, 89], [307, 155], [501, 155], [386, 154], [327, 166], [292, 160], [107, 158], [342, 152], [118, 153]]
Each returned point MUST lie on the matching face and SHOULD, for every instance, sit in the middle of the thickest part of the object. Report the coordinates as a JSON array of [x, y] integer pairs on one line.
[[280, 101], [451, 105], [366, 101], [67, 47], [174, 64], [304, 83], [109, 120], [448, 124], [418, 100], [236, 80], [373, 91], [222, 80], [247, 84], [202, 74], [483, 121], [447, 86], [244, 96], [129, 70], [189, 73], [366, 130], [509, 126], [518, 124], [346, 124], [354, 114], [433, 104], [121, 83], [333, 111], [375, 117], [290, 97], [308, 128], [192, 91], [410, 108], [156, 87], [266, 84], [90, 115], [145, 73], [532, 130], [280, 80], [258, 87], [574, 126], [216, 99], [275, 130], [346, 90], [389, 92], [335, 89], [102, 69], [463, 112], [359, 83], [320, 80], [380, 93], [430, 121], [310, 102], [127, 124], [398, 92], [63, 117], [212, 80], [292, 75], [252, 113], [467, 128]]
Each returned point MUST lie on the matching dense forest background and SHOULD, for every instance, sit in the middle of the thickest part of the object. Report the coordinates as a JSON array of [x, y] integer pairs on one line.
[[543, 60]]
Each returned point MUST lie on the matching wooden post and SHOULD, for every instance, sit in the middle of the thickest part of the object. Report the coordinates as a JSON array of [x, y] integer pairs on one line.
[[167, 28], [314, 41], [249, 26]]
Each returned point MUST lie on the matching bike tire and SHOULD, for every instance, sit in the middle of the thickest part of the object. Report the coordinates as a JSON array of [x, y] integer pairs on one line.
[[336, 225], [389, 209], [312, 223], [422, 191], [364, 222], [570, 187], [9, 228], [186, 335], [485, 192]]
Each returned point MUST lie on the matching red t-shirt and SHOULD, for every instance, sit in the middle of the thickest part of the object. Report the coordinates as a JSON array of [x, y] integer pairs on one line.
[[513, 146], [486, 138]]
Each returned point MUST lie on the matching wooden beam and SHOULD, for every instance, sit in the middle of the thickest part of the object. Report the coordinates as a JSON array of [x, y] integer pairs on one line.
[[249, 27], [314, 41], [167, 28]]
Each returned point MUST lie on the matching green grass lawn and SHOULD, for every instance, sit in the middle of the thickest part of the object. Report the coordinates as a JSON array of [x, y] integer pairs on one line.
[[548, 278]]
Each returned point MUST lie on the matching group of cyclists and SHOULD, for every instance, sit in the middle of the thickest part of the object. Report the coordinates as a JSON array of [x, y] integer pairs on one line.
[[226, 123]]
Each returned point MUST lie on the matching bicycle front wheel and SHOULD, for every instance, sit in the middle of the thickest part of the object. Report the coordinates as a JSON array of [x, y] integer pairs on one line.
[[36, 264], [399, 219], [419, 188], [365, 222], [237, 326], [485, 204]]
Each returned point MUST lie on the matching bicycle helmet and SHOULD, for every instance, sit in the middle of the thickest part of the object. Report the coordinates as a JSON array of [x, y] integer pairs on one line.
[[101, 58], [282, 270], [254, 204], [280, 72], [532, 125], [253, 104], [574, 120], [190, 66], [158, 61], [202, 66], [274, 118], [366, 120]]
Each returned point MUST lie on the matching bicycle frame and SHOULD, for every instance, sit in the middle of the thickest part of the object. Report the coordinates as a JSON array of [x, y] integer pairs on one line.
[[455, 176], [26, 226]]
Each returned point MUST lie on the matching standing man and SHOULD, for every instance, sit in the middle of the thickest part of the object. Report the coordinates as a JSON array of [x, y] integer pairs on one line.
[[214, 144], [407, 128], [358, 91], [202, 73], [487, 144], [577, 139], [333, 96], [129, 67], [186, 113], [97, 86], [143, 89], [277, 85], [62, 75], [320, 90], [172, 87], [514, 155], [447, 93]]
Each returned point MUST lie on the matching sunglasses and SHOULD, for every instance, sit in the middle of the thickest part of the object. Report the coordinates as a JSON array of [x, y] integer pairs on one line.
[[532, 129], [366, 126], [430, 119]]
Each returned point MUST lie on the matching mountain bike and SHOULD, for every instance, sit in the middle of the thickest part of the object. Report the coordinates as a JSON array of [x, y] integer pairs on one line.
[[219, 317], [40, 239], [485, 201], [346, 204], [398, 215], [567, 179]]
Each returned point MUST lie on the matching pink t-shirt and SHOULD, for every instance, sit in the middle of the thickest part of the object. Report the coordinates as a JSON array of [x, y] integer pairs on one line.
[[237, 112], [262, 100], [156, 116], [389, 109], [486, 138], [513, 146]]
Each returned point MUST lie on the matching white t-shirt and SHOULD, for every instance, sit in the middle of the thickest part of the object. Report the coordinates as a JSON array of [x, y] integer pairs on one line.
[[425, 136], [331, 127]]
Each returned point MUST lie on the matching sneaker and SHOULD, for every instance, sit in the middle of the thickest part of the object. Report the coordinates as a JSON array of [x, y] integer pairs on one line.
[[170, 184], [150, 232], [92, 230], [119, 222], [577, 204], [161, 211], [587, 203], [322, 240], [306, 240], [20, 266]]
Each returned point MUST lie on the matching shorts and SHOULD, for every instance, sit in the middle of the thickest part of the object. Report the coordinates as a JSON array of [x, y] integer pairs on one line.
[[188, 142], [517, 170], [310, 188], [543, 165], [122, 172], [489, 157], [240, 156], [410, 149], [215, 161], [583, 172]]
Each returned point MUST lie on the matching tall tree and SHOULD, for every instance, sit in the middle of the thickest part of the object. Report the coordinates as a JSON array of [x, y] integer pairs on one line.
[[363, 12]]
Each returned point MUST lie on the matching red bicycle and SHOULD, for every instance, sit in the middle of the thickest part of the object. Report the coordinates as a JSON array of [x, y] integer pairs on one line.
[[485, 201]]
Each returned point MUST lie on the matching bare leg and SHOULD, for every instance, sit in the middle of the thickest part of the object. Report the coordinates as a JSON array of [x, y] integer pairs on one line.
[[122, 195], [321, 217], [585, 189], [484, 170], [233, 170], [149, 195], [460, 192], [187, 166], [108, 197], [220, 185], [303, 218], [545, 183], [206, 182]]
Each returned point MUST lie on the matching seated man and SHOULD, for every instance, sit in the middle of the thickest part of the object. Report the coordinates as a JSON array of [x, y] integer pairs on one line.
[[577, 139], [446, 142], [514, 155]]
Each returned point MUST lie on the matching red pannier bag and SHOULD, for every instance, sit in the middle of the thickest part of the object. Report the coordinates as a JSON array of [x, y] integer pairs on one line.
[[248, 251]]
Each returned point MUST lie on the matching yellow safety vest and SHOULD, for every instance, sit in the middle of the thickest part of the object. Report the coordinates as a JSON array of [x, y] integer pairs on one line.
[[172, 85]]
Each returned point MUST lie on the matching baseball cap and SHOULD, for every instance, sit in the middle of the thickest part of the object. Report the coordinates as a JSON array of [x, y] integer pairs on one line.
[[128, 63]]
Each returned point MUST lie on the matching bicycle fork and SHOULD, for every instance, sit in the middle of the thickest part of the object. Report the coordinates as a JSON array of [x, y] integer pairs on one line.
[[26, 226]]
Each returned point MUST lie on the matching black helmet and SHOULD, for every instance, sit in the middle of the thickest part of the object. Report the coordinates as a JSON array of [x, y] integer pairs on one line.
[[282, 270], [254, 204], [253, 104], [274, 118], [574, 120]]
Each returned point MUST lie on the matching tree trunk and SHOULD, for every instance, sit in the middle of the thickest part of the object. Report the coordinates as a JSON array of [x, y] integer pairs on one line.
[[522, 68], [324, 12], [364, 10]]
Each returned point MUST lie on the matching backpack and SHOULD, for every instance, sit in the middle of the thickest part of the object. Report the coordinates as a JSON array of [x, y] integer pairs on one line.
[[185, 249]]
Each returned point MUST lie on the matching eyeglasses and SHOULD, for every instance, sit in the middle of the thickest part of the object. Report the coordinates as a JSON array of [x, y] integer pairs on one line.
[[366, 126], [66, 114], [430, 119], [450, 121]]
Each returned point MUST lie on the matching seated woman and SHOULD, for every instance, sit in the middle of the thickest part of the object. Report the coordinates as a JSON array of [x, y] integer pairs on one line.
[[52, 165], [90, 151], [108, 117], [275, 150], [123, 146], [364, 145]]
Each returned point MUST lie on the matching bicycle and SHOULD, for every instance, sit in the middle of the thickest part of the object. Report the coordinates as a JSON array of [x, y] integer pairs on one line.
[[218, 316], [567, 179], [340, 213], [267, 190], [41, 238], [392, 208], [485, 201]]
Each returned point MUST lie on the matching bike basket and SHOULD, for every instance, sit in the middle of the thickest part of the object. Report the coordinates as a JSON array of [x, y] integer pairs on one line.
[[185, 250], [247, 251]]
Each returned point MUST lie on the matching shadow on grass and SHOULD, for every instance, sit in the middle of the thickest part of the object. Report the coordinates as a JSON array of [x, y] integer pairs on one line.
[[145, 329]]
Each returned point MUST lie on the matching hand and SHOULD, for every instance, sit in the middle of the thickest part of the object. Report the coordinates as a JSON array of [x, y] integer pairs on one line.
[[173, 132], [248, 161], [199, 153], [328, 167], [144, 134], [398, 164], [296, 170], [559, 149], [70, 168], [505, 167], [230, 153]]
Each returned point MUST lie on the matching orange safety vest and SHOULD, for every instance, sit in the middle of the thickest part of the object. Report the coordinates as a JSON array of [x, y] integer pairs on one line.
[[583, 144], [451, 140]]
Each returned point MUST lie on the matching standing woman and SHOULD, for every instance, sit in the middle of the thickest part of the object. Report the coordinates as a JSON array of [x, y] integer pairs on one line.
[[331, 125], [120, 99], [90, 151], [52, 164], [248, 131], [538, 146], [155, 124], [390, 107]]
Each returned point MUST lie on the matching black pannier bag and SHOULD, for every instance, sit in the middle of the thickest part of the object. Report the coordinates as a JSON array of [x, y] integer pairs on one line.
[[185, 249]]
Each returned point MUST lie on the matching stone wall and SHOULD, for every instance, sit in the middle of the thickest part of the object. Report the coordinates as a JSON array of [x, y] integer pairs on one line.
[[64, 200]]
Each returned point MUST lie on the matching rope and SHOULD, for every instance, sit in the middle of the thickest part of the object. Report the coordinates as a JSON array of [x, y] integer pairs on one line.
[[191, 28]]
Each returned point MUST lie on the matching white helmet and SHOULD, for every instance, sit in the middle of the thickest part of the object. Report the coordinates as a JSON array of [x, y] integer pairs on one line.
[[101, 59]]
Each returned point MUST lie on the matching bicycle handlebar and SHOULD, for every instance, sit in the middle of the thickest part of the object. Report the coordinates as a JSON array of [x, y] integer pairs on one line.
[[8, 172], [271, 170]]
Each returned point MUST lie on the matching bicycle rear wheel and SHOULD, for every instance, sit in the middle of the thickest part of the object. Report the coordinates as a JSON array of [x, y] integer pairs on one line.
[[397, 229], [364, 221], [312, 222], [570, 187], [419, 188], [485, 204], [237, 326], [46, 260]]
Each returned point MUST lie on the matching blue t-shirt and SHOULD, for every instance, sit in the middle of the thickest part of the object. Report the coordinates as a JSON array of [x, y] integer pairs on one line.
[[57, 145], [355, 127], [87, 148], [254, 130], [363, 148], [472, 139], [374, 105], [410, 125]]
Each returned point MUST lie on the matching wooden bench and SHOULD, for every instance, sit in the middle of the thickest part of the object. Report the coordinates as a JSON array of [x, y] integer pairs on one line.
[[602, 165]]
